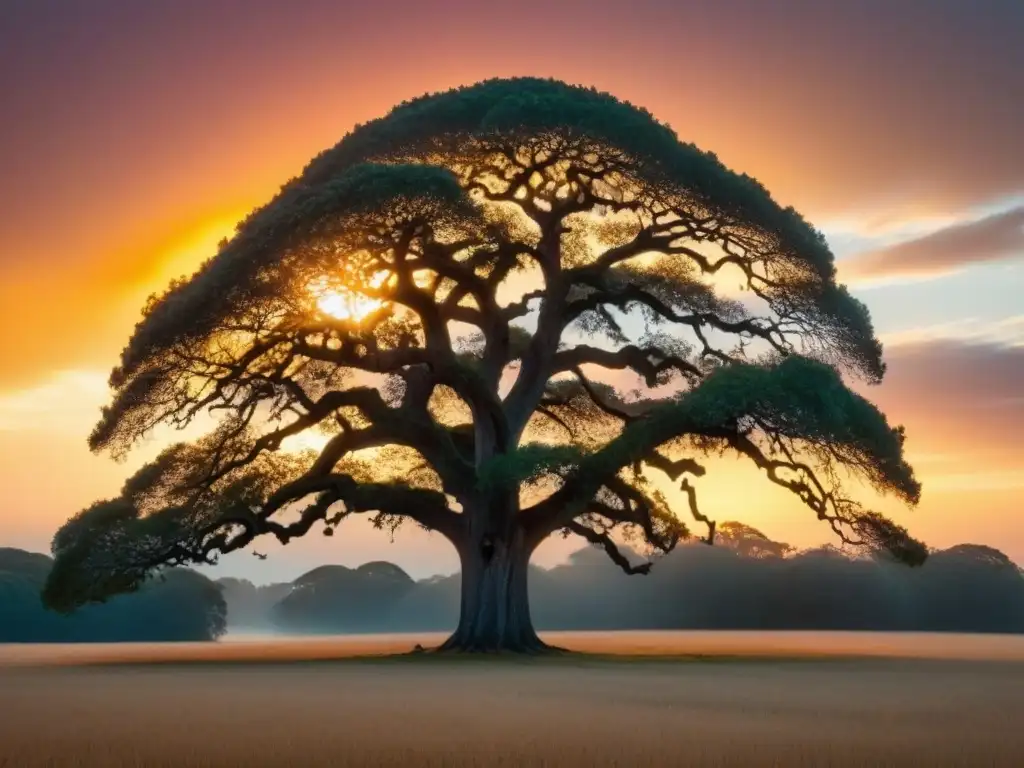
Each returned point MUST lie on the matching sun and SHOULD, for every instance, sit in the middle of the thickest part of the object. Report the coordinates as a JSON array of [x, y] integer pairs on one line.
[[342, 303], [346, 306]]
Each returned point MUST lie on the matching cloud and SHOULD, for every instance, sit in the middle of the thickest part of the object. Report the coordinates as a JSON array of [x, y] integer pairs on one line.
[[1008, 331], [974, 375], [69, 401], [993, 238], [957, 397]]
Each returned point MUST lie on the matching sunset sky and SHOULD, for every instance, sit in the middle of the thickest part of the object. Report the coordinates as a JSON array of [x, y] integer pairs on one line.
[[134, 134]]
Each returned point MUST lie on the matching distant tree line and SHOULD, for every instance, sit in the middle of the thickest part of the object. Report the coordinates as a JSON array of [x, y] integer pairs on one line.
[[746, 581], [180, 605]]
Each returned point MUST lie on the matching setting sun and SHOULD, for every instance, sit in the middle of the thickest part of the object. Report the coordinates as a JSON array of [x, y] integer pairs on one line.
[[344, 306], [343, 303]]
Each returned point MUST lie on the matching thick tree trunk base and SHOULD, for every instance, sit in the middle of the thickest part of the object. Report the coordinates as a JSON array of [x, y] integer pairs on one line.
[[495, 610], [534, 646]]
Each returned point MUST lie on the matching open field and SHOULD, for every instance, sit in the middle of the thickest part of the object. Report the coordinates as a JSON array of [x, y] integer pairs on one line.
[[778, 706], [264, 648]]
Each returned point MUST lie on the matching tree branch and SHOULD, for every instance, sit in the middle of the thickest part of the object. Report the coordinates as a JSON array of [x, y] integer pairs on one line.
[[604, 541], [630, 356]]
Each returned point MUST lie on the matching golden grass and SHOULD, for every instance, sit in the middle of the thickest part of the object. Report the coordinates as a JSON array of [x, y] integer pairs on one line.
[[870, 711], [263, 648]]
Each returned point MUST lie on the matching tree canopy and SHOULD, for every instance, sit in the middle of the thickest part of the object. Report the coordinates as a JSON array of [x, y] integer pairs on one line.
[[451, 298]]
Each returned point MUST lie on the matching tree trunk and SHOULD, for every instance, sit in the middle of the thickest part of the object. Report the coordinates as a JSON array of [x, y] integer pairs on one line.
[[495, 610]]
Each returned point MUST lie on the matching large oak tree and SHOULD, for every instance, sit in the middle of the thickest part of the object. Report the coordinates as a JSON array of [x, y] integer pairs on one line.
[[456, 298]]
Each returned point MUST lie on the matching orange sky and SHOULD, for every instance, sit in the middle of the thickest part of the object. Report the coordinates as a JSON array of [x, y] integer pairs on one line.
[[141, 131]]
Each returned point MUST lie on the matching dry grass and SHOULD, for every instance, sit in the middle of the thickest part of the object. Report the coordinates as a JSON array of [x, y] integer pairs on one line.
[[264, 648], [569, 711]]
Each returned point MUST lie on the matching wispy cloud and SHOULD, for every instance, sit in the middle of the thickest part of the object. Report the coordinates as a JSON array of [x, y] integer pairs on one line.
[[1008, 331], [68, 401], [950, 249], [957, 396]]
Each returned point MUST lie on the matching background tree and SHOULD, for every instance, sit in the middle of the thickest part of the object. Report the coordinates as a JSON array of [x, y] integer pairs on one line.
[[333, 598], [249, 605], [747, 541], [973, 581], [967, 588], [181, 605], [446, 296]]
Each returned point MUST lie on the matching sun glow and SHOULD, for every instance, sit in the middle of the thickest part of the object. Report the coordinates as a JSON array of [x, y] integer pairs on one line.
[[308, 440], [315, 441], [187, 252], [345, 306], [343, 303]]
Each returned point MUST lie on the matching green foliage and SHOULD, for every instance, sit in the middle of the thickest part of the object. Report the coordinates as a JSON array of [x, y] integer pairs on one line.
[[800, 399], [840, 325], [504, 110], [526, 464]]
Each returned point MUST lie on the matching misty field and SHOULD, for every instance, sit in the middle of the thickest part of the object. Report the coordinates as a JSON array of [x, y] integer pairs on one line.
[[760, 699]]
